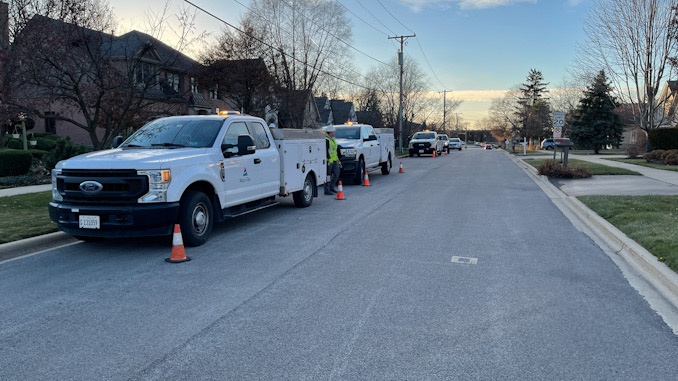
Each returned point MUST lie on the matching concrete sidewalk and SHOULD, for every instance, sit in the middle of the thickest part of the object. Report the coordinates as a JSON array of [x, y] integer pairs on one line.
[[24, 190]]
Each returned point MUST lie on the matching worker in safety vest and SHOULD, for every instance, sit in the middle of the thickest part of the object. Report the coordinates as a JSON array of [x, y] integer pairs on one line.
[[333, 162]]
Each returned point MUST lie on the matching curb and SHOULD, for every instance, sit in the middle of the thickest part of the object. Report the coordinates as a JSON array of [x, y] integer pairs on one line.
[[657, 274], [33, 245]]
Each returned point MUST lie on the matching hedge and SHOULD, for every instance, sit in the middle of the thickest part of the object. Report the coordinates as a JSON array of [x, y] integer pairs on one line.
[[663, 138], [14, 162]]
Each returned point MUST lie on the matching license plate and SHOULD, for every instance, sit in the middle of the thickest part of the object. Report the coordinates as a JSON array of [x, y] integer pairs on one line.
[[90, 222], [421, 151]]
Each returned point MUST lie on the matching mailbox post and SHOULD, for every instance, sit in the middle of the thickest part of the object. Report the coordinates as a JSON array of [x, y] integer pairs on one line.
[[565, 145]]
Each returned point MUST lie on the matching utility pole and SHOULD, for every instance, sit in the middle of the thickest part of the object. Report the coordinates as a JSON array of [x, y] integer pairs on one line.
[[444, 109], [400, 108]]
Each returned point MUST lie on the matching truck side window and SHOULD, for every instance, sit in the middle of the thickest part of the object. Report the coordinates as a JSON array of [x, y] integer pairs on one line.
[[365, 133], [234, 130], [260, 137]]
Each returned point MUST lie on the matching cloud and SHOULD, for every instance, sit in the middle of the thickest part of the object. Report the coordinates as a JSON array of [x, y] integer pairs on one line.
[[417, 5], [574, 3]]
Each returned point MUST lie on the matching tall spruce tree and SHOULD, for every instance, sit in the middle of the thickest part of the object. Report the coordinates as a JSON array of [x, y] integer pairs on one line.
[[533, 110], [595, 124]]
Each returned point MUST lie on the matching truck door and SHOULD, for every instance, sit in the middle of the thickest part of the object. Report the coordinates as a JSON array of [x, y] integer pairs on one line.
[[270, 159], [371, 147], [243, 172]]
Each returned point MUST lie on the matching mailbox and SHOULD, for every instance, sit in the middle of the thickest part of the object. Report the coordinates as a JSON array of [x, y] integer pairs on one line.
[[564, 144]]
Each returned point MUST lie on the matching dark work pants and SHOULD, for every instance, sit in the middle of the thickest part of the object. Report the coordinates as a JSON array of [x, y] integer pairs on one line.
[[333, 172]]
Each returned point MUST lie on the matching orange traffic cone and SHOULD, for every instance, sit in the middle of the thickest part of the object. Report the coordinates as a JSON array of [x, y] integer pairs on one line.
[[178, 254], [401, 168], [434, 153], [446, 153], [340, 192], [366, 180]]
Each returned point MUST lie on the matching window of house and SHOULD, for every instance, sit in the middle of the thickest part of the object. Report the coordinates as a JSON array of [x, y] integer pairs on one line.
[[144, 72], [214, 92], [173, 81], [194, 85], [50, 122], [633, 137]]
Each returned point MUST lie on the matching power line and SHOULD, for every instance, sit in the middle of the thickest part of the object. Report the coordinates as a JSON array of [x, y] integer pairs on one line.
[[375, 17], [418, 43], [365, 22], [272, 47]]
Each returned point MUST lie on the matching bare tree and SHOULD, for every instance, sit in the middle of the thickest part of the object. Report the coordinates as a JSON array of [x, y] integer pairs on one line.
[[86, 76], [632, 40], [299, 37]]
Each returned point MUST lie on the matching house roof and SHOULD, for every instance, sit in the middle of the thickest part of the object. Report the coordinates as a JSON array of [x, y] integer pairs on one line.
[[324, 113], [341, 110]]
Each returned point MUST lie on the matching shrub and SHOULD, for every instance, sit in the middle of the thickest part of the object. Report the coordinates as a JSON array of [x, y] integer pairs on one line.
[[653, 156], [63, 150], [633, 152], [671, 159], [46, 144], [552, 169], [38, 153], [14, 162], [663, 138], [15, 144], [667, 153]]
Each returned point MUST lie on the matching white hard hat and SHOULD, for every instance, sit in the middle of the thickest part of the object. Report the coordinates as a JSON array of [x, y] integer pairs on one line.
[[329, 129]]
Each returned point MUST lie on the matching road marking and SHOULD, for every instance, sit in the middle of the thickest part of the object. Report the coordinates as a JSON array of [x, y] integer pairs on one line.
[[38, 252], [466, 260]]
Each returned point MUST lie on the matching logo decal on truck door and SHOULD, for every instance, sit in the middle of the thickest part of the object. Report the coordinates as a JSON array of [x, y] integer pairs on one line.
[[245, 178]]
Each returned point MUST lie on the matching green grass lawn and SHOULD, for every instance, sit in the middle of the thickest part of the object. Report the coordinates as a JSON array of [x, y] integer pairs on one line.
[[596, 169], [25, 216], [649, 220], [529, 153], [644, 163]]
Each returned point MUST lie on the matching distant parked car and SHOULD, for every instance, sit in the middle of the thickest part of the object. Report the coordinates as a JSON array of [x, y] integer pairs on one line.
[[488, 146], [455, 143], [547, 144]]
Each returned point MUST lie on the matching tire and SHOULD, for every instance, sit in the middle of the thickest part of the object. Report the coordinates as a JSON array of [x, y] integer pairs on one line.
[[411, 154], [386, 167], [88, 238], [459, 148], [304, 197], [359, 173], [195, 218]]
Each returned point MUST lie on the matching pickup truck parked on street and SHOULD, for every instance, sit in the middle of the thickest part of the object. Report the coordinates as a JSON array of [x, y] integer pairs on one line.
[[364, 148], [191, 170], [425, 142]]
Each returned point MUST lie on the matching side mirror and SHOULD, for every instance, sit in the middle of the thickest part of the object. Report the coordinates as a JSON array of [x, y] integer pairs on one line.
[[371, 138], [246, 145], [117, 141], [229, 150]]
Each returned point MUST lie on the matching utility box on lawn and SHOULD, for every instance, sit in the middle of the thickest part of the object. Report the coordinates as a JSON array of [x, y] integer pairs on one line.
[[564, 144]]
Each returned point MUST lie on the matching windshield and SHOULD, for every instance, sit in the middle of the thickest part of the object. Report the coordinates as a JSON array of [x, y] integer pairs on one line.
[[176, 132], [455, 140], [424, 135], [347, 133]]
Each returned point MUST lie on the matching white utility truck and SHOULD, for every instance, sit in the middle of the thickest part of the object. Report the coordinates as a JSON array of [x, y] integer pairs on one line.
[[191, 170], [425, 142], [364, 148]]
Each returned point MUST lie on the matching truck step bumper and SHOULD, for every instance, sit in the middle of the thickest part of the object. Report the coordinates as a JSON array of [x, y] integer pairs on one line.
[[117, 221]]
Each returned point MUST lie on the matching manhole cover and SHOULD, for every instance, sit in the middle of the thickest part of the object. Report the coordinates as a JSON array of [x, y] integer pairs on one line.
[[467, 260]]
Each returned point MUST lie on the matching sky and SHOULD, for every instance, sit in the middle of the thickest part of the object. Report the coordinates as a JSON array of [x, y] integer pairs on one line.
[[474, 48]]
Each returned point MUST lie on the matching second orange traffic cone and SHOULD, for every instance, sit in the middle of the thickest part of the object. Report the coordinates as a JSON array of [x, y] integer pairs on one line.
[[178, 254], [434, 153], [401, 168], [366, 180], [340, 192]]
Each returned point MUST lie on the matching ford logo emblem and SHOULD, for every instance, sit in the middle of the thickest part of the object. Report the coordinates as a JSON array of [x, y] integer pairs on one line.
[[91, 187]]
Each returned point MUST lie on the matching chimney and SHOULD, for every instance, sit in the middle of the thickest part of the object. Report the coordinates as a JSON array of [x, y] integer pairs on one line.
[[4, 26]]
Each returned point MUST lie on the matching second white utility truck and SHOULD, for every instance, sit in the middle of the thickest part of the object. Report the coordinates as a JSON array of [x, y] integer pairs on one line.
[[364, 148], [190, 170]]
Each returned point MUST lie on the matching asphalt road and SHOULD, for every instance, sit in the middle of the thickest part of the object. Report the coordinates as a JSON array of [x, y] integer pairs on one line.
[[358, 289]]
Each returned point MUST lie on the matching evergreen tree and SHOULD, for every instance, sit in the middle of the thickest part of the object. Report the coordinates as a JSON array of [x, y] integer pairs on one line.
[[595, 124], [533, 110]]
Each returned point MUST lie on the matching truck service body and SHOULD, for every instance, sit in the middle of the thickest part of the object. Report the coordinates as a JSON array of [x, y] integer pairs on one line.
[[191, 170], [364, 148]]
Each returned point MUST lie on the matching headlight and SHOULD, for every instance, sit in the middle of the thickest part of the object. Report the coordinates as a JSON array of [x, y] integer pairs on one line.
[[348, 152], [411, 145], [158, 182], [56, 196]]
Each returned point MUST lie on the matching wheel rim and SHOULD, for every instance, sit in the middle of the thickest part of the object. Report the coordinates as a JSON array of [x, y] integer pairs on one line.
[[308, 191], [200, 219]]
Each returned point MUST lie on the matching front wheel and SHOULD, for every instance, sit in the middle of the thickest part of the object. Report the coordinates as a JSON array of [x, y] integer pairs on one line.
[[359, 173], [386, 166], [195, 218], [304, 197]]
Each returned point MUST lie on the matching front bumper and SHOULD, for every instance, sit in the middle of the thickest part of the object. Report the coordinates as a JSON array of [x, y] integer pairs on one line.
[[139, 220], [415, 151], [348, 166]]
